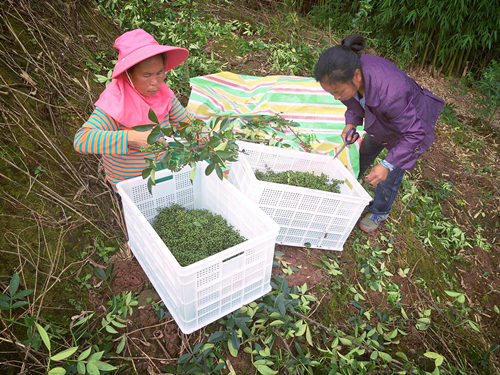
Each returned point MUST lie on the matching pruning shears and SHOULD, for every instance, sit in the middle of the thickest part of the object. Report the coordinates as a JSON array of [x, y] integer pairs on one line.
[[351, 137]]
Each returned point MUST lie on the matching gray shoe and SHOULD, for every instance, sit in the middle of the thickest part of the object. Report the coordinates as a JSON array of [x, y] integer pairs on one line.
[[370, 222]]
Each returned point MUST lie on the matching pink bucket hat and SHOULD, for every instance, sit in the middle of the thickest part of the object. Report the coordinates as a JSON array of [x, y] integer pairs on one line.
[[138, 45]]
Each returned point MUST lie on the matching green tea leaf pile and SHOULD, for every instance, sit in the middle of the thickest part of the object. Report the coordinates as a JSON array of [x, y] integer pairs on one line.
[[192, 235], [301, 179]]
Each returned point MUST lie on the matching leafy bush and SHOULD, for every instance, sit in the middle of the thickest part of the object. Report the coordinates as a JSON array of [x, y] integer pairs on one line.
[[301, 179], [450, 36], [192, 235], [488, 86]]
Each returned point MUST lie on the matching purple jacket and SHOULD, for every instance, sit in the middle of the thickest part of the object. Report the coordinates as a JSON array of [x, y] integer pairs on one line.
[[399, 113]]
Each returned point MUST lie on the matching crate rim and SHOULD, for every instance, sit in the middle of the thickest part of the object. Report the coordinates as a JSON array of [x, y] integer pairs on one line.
[[365, 197]]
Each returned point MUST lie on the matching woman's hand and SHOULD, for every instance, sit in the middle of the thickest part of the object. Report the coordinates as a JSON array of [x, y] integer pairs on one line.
[[140, 139], [378, 174], [345, 131]]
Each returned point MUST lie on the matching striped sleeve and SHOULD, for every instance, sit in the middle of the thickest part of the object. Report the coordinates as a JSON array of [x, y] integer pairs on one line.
[[100, 134], [178, 113]]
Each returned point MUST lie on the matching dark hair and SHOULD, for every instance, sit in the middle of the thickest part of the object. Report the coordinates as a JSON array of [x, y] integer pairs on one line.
[[338, 63]]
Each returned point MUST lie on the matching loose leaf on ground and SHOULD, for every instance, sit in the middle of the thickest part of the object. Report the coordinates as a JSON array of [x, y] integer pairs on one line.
[[64, 354], [104, 366], [43, 335], [121, 345], [57, 371]]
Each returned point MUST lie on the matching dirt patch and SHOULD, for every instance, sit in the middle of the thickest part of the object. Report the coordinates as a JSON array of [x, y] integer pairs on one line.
[[129, 276], [303, 263]]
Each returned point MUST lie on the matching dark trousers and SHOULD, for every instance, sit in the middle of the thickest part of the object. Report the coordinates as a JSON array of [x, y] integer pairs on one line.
[[387, 190]]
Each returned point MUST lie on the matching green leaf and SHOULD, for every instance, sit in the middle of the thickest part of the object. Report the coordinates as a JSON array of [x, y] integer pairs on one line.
[[219, 172], [92, 368], [83, 355], [225, 124], [83, 320], [80, 367], [216, 336], [152, 116], [402, 356], [96, 356], [22, 294], [143, 128], [154, 135], [64, 354], [386, 357], [374, 355], [276, 323], [209, 169], [308, 336], [432, 355], [345, 341], [19, 304], [265, 370], [192, 174], [57, 371], [232, 349], [110, 329], [104, 366], [100, 273], [474, 326], [224, 155], [121, 345], [152, 176], [150, 186], [118, 324], [14, 284], [280, 304], [301, 328], [146, 172], [43, 335]]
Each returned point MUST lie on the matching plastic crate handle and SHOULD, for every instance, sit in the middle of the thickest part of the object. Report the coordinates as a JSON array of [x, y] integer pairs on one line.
[[163, 179], [233, 256]]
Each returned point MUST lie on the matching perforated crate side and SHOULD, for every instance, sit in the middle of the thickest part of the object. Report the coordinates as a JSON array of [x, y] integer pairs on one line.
[[306, 217], [205, 291]]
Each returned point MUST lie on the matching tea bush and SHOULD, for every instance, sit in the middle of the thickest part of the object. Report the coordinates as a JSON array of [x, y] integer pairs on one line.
[[192, 235]]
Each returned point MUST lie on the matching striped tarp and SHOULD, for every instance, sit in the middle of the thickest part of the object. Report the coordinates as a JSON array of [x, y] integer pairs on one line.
[[298, 99]]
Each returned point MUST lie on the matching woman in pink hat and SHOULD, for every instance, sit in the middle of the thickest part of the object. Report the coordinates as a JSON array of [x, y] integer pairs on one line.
[[138, 85]]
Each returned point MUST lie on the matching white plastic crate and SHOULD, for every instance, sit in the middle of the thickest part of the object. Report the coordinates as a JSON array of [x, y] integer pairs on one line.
[[209, 289], [306, 217]]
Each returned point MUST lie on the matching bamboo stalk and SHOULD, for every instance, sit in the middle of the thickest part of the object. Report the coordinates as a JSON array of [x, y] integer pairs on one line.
[[429, 42], [433, 65]]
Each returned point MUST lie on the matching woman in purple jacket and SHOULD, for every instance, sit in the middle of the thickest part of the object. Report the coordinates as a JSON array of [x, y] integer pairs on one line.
[[399, 115]]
